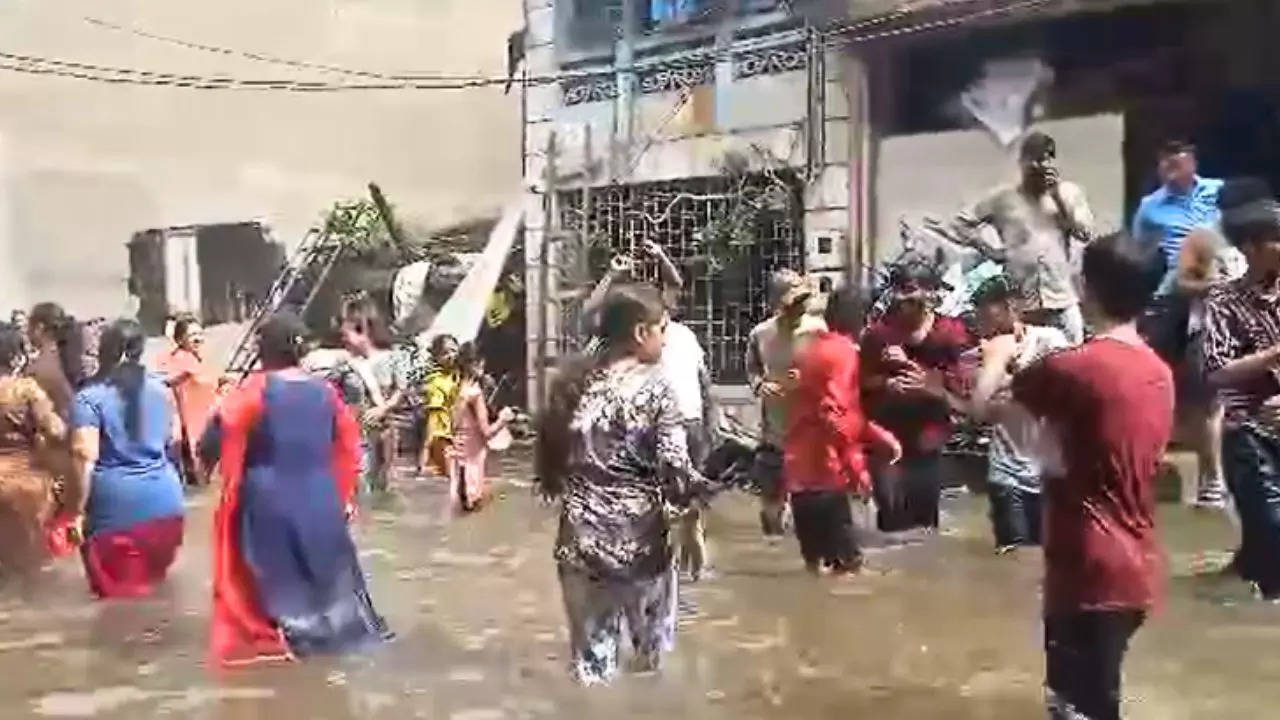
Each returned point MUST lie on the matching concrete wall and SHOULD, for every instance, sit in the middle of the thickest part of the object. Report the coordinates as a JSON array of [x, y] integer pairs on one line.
[[84, 165]]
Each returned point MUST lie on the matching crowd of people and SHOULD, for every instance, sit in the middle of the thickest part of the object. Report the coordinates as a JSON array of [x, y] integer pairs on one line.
[[97, 442], [1074, 359]]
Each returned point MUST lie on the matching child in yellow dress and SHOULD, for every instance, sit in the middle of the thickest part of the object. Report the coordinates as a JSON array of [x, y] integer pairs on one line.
[[441, 392]]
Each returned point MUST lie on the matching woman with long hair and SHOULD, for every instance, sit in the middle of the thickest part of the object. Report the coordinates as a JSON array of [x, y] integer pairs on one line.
[[130, 496], [612, 449], [28, 423], [195, 390], [59, 346], [287, 581], [472, 431]]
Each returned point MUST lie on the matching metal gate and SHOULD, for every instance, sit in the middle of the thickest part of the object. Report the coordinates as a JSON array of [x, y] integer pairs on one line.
[[725, 292]]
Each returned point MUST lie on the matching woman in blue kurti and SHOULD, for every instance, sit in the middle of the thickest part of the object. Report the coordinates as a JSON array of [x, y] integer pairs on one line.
[[287, 581], [131, 497]]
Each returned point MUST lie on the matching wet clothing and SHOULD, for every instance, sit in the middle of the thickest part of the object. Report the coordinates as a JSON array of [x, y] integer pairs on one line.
[[1251, 461], [132, 562], [133, 520], [770, 353], [195, 391], [629, 459], [1016, 436], [30, 430], [470, 449], [287, 580], [628, 466], [134, 480], [1111, 403], [1241, 320], [1084, 653], [824, 527], [596, 609], [440, 392], [1037, 249], [827, 431], [1015, 515], [908, 494], [1166, 216], [921, 423]]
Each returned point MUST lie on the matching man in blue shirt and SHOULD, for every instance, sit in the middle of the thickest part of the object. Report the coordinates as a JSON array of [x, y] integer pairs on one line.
[[1184, 202]]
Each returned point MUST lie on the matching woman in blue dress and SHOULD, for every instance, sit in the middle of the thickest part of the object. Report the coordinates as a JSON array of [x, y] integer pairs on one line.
[[287, 582]]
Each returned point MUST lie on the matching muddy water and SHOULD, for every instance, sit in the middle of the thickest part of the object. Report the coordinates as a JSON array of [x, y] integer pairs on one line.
[[937, 628]]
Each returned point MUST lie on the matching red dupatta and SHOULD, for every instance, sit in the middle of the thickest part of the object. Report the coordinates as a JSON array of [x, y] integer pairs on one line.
[[241, 632]]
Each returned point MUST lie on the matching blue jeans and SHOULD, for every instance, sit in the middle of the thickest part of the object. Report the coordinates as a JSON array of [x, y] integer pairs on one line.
[[1015, 515]]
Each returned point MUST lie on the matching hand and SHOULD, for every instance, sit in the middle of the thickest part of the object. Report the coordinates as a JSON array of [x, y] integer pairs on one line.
[[771, 389], [76, 529], [622, 266], [895, 354], [907, 382], [374, 415], [895, 450], [792, 380], [506, 415], [1050, 177]]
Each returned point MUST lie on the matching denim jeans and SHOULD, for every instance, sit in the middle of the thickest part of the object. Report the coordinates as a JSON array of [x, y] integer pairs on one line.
[[1015, 515]]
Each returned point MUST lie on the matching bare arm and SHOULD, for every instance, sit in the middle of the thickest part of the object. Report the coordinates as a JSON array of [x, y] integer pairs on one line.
[[670, 273], [84, 454]]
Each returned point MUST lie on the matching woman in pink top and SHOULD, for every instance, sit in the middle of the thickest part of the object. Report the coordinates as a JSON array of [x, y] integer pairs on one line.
[[472, 431]]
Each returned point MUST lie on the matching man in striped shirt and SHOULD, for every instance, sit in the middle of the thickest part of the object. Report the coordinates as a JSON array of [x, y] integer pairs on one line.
[[1242, 361]]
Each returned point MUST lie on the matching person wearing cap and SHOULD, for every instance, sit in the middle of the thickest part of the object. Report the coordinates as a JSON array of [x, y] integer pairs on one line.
[[771, 349], [911, 356], [1040, 221], [1241, 353], [1021, 448]]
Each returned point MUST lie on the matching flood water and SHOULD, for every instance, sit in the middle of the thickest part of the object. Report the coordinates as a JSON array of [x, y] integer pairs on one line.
[[937, 628]]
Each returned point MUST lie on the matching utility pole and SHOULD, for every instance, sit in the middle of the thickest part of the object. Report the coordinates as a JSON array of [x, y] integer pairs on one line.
[[550, 229]]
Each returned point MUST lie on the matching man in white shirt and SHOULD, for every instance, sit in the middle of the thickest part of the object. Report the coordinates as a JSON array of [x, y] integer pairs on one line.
[[1042, 223], [685, 365], [771, 349], [1021, 449]]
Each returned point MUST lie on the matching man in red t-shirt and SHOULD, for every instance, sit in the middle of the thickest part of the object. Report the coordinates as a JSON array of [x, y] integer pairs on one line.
[[827, 433], [1110, 403]]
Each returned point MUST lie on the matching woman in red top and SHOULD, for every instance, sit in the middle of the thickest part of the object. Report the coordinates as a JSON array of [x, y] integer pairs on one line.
[[826, 431], [912, 356]]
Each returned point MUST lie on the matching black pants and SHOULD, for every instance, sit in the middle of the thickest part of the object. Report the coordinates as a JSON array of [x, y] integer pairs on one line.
[[1083, 654], [1015, 515], [1251, 459], [824, 526], [907, 494]]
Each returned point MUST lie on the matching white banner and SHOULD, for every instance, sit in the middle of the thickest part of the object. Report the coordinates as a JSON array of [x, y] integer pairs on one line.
[[464, 311]]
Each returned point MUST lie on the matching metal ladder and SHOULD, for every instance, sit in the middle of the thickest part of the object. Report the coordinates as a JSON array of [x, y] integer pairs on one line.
[[306, 271]]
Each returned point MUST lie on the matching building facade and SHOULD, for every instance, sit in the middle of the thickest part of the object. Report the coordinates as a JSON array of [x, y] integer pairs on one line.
[[718, 130]]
